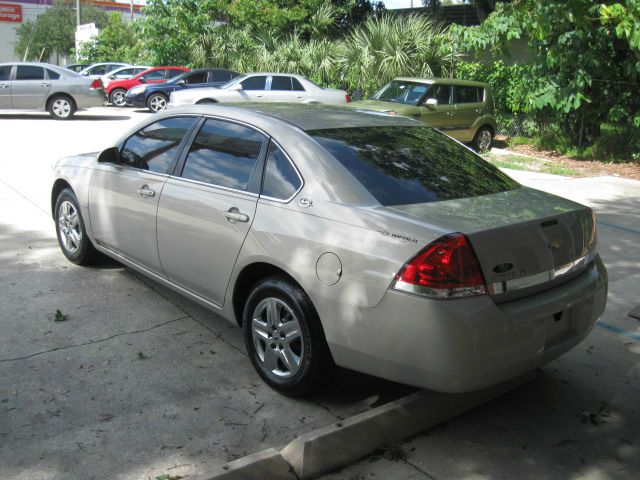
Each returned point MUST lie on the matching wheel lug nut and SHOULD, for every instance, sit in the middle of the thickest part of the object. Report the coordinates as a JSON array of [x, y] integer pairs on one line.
[[273, 345]]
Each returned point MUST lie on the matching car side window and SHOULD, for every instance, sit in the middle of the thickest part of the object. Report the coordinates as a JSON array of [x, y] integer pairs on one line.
[[99, 70], [220, 76], [200, 77], [224, 154], [52, 75], [254, 83], [111, 68], [281, 83], [170, 73], [29, 72], [297, 86], [155, 147], [5, 72], [281, 180], [468, 94], [442, 93], [155, 75]]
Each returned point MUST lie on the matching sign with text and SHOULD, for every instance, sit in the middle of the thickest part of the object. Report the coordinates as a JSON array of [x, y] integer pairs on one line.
[[10, 12]]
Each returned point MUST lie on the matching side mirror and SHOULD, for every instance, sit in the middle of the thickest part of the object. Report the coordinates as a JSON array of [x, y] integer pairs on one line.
[[236, 87], [182, 81], [142, 80], [431, 102], [110, 155]]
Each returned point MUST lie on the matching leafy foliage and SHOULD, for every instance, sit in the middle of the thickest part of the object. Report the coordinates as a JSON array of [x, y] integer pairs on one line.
[[118, 40], [53, 32]]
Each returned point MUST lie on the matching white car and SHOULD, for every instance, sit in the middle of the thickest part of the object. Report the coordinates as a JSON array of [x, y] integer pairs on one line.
[[123, 73], [262, 87], [97, 70]]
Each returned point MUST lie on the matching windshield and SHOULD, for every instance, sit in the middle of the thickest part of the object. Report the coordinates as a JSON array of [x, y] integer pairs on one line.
[[397, 91], [402, 165]]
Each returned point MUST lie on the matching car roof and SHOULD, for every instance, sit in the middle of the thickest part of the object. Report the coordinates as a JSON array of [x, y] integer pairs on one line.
[[448, 81], [316, 117]]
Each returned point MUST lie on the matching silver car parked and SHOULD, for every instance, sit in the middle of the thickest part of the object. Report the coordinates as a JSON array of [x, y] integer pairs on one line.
[[334, 236], [40, 86]]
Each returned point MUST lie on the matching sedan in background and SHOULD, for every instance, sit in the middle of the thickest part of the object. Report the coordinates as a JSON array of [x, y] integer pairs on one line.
[[117, 89], [122, 73], [40, 86], [97, 70], [262, 87], [156, 97], [333, 236], [77, 67]]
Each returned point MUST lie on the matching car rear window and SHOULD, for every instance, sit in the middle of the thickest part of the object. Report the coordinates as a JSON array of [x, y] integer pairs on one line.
[[405, 165]]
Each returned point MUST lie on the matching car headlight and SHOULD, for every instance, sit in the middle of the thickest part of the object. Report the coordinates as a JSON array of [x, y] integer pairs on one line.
[[172, 97], [138, 89]]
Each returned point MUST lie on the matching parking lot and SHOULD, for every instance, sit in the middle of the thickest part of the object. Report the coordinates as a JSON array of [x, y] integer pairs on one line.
[[137, 382]]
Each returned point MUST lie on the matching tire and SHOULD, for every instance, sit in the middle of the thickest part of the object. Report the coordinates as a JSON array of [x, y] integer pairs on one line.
[[118, 97], [157, 102], [482, 140], [61, 107], [291, 353], [71, 232]]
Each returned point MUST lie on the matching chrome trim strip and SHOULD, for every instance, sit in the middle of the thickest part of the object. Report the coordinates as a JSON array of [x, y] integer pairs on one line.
[[438, 292], [211, 185], [497, 288]]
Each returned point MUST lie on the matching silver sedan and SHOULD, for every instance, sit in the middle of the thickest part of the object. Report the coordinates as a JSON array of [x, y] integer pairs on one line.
[[334, 236], [40, 86]]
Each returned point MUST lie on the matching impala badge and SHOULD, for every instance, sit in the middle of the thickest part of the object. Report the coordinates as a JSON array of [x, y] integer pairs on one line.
[[555, 244]]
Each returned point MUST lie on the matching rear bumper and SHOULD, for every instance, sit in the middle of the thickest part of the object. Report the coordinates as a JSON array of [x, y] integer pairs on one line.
[[462, 344], [93, 98]]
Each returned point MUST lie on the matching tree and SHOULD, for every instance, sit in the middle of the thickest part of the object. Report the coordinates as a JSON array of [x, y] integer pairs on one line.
[[118, 40], [53, 32]]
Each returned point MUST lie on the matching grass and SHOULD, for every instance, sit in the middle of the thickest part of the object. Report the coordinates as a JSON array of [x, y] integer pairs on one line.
[[530, 164]]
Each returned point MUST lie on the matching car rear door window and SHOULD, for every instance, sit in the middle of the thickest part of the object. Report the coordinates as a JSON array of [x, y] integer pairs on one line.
[[221, 76], [281, 181], [52, 75], [224, 154], [468, 94], [29, 72], [254, 83], [281, 83], [297, 86], [442, 93], [172, 72], [402, 165], [156, 147], [5, 72]]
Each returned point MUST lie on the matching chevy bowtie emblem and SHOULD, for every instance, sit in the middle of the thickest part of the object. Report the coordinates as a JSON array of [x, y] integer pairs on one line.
[[555, 244]]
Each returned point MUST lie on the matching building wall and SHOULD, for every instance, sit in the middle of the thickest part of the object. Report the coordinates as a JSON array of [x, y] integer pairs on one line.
[[30, 11]]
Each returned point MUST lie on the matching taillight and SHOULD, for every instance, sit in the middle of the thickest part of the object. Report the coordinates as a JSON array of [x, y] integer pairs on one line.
[[347, 98], [447, 267], [96, 84]]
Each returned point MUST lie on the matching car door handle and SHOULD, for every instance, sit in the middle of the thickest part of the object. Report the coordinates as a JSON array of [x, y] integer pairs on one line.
[[45, 84], [233, 215], [4, 85], [146, 192]]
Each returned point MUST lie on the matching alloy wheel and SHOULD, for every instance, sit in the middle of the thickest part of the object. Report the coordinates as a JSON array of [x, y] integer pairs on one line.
[[157, 103], [61, 107], [277, 338], [119, 98], [69, 227]]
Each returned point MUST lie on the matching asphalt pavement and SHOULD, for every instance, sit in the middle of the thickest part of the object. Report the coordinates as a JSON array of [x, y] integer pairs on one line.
[[136, 382]]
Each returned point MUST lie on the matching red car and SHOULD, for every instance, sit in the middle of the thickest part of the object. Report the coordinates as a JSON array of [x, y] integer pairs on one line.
[[117, 90]]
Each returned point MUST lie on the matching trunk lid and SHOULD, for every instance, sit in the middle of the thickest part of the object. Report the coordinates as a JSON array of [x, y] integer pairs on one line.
[[526, 241]]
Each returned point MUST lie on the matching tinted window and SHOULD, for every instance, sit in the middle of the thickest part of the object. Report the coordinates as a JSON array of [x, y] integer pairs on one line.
[[281, 83], [221, 76], [442, 93], [5, 72], [52, 75], [404, 165], [155, 148], [223, 154], [199, 77], [155, 75], [280, 179], [254, 83], [111, 68], [99, 70], [468, 94], [27, 72], [297, 86]]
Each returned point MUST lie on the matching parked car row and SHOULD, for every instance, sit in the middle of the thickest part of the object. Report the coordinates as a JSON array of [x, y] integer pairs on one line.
[[462, 109]]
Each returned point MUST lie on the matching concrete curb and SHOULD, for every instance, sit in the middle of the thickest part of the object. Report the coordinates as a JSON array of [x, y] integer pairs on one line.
[[342, 443]]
